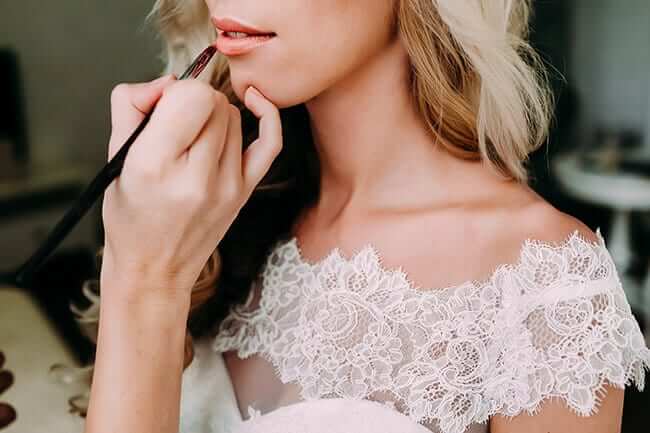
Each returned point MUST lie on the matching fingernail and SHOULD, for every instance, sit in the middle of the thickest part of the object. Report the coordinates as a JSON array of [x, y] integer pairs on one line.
[[254, 90]]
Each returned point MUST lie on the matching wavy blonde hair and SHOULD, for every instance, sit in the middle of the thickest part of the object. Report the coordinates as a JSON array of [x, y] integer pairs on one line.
[[476, 81]]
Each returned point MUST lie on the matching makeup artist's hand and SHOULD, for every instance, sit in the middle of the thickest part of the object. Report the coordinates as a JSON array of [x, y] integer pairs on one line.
[[184, 180]]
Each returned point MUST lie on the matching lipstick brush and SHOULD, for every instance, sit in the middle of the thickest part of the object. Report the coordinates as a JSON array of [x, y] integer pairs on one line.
[[22, 277]]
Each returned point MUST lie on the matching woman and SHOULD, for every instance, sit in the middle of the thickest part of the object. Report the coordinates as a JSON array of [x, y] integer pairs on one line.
[[382, 264]]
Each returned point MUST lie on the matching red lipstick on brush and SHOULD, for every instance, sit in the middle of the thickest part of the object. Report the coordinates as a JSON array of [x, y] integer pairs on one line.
[[199, 64]]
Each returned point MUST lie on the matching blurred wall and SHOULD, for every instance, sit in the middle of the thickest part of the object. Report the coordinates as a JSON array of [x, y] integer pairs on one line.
[[610, 64], [72, 53]]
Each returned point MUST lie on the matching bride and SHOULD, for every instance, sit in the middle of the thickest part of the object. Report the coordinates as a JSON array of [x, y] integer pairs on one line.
[[375, 261]]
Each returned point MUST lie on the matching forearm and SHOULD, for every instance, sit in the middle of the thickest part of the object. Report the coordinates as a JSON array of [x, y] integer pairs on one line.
[[138, 364]]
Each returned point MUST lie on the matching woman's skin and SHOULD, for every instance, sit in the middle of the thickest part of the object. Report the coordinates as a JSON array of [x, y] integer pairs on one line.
[[384, 181]]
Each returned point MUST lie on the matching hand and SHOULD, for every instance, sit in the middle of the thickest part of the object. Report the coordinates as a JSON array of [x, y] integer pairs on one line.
[[183, 182]]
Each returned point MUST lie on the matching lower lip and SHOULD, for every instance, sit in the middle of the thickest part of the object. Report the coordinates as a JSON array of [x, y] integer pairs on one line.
[[237, 46]]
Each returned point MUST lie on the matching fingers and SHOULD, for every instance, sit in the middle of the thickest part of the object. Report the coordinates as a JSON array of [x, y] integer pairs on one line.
[[231, 155], [203, 156], [179, 117], [129, 105], [260, 154]]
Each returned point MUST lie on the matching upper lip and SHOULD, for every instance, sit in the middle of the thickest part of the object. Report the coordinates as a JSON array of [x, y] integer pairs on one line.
[[232, 25]]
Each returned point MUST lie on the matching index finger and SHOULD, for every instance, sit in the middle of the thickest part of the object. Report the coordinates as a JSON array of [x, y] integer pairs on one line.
[[179, 117], [130, 104], [260, 153]]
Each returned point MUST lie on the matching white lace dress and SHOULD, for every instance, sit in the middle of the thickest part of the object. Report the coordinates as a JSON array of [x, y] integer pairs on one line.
[[347, 336]]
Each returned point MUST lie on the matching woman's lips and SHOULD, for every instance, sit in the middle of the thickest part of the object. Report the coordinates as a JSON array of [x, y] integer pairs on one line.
[[234, 46], [230, 41]]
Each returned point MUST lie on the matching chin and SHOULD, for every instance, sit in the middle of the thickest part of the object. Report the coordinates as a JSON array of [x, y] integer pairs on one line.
[[280, 92]]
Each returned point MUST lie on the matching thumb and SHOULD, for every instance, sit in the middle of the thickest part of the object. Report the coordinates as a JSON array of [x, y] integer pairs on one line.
[[130, 103]]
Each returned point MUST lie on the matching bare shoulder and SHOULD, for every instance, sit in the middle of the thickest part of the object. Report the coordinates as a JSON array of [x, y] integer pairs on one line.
[[523, 215], [477, 236], [542, 221]]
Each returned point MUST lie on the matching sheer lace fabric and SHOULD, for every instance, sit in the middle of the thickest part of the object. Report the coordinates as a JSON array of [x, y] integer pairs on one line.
[[556, 323]]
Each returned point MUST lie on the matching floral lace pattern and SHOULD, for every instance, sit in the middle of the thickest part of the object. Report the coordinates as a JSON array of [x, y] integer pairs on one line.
[[555, 323]]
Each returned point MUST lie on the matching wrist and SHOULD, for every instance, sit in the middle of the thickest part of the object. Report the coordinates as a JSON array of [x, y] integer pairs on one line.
[[135, 284], [136, 292]]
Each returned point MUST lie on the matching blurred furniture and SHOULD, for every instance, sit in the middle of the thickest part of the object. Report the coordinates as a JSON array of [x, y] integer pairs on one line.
[[31, 345], [29, 209], [13, 126], [31, 206], [623, 192]]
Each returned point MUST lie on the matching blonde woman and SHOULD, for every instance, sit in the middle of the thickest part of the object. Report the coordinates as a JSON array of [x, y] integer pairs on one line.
[[375, 260]]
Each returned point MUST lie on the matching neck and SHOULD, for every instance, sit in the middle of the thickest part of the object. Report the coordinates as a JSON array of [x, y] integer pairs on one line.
[[374, 147]]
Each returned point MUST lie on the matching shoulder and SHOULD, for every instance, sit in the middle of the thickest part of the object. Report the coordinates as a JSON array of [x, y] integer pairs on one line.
[[524, 219], [569, 320], [561, 306], [539, 220], [566, 317], [481, 235], [548, 255]]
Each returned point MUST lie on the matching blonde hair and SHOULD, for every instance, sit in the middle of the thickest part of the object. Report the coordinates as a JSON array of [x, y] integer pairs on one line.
[[478, 84]]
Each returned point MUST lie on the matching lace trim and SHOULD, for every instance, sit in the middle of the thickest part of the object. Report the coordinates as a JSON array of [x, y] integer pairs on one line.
[[368, 249], [556, 323]]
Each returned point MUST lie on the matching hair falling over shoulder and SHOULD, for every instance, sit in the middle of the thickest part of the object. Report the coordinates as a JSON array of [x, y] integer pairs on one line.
[[476, 81]]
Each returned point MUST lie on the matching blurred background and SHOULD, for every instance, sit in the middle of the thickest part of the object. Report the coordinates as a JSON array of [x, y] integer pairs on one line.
[[59, 62]]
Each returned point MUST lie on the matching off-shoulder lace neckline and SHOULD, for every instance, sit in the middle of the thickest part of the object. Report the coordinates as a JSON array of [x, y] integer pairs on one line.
[[353, 328], [368, 249]]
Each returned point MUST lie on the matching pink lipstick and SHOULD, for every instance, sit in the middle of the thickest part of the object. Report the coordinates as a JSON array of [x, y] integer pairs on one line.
[[236, 38]]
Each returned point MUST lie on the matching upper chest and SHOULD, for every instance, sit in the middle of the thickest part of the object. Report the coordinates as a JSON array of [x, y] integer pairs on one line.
[[435, 250]]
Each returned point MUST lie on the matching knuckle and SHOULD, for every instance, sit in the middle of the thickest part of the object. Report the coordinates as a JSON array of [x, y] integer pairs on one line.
[[119, 92], [146, 171], [191, 195], [194, 93], [196, 90], [231, 191]]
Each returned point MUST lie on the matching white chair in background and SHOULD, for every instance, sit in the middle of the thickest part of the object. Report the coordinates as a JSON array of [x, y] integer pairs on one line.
[[622, 192]]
